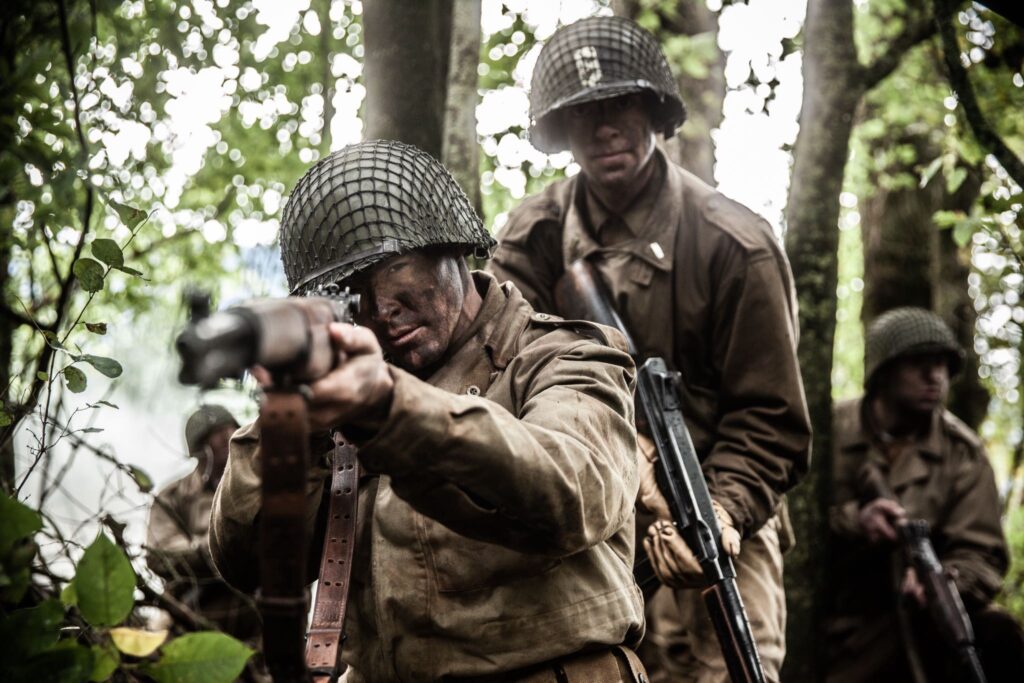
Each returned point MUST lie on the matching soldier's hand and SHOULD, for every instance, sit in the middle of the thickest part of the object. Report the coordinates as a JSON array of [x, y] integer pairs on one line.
[[912, 587], [879, 519], [672, 560], [359, 390]]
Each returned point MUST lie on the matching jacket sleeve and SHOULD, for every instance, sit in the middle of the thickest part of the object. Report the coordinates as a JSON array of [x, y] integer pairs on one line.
[[763, 432], [234, 518], [172, 551], [556, 478], [971, 536]]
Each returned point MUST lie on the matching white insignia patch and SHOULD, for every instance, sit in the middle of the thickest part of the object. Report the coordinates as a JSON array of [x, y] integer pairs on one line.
[[658, 251], [588, 67]]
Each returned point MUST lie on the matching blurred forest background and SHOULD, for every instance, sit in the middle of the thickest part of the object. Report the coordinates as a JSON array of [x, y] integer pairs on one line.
[[148, 147]]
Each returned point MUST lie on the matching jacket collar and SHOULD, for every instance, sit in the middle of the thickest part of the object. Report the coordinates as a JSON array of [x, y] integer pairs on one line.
[[910, 466], [491, 340], [655, 238]]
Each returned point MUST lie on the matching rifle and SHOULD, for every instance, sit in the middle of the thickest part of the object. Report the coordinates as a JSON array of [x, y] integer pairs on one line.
[[944, 606], [580, 294], [289, 337]]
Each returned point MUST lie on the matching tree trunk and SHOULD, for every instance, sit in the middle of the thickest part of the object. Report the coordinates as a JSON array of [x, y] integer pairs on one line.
[[832, 90], [908, 261], [327, 74], [405, 69], [461, 153], [968, 398], [692, 146]]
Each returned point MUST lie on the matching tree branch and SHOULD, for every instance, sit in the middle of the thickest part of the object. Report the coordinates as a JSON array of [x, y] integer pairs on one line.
[[915, 32], [961, 83]]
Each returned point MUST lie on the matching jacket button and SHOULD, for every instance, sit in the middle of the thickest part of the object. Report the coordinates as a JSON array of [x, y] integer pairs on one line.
[[543, 316], [473, 390]]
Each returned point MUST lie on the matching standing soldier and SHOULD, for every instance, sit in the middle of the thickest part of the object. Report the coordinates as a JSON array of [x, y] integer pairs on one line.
[[179, 522], [700, 281], [932, 467], [494, 533]]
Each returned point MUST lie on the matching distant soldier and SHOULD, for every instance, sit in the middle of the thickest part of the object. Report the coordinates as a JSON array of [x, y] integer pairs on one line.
[[179, 523], [701, 282], [494, 528], [931, 467]]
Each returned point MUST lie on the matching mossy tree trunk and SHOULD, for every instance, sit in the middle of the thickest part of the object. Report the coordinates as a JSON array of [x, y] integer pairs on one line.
[[405, 69], [834, 84]]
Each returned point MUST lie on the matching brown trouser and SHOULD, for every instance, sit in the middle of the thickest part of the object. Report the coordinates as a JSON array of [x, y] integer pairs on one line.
[[612, 665], [681, 645]]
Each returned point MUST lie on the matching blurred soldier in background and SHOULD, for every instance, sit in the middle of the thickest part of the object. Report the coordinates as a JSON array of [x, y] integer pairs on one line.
[[700, 281], [179, 523], [494, 527], [899, 455]]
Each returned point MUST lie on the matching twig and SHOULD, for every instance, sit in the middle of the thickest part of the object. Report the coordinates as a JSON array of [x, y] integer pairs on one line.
[[961, 83], [914, 32]]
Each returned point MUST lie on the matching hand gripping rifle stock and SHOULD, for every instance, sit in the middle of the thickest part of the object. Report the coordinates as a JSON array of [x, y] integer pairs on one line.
[[944, 606], [581, 295], [289, 337]]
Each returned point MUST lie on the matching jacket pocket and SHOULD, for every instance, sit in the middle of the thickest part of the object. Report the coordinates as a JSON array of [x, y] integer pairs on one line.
[[458, 563]]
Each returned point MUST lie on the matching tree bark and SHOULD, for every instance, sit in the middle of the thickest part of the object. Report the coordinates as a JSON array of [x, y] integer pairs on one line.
[[461, 153], [405, 69], [832, 89], [909, 261]]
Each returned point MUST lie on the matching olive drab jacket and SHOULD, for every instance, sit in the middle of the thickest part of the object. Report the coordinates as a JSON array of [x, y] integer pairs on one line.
[[945, 479], [178, 552], [495, 519], [700, 281]]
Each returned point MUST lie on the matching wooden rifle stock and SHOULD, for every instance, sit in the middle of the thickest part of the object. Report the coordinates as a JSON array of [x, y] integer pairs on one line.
[[581, 295], [288, 337]]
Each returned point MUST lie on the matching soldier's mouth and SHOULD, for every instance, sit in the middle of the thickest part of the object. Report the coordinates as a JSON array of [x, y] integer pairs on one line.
[[405, 337]]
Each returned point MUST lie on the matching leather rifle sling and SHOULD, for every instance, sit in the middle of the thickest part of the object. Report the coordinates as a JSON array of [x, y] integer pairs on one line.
[[323, 646], [284, 435]]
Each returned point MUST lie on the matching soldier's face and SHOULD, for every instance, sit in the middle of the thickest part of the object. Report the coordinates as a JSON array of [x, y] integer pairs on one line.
[[919, 383], [413, 303], [612, 140]]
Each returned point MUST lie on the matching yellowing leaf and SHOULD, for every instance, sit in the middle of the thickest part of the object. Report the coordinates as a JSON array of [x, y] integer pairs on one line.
[[136, 642]]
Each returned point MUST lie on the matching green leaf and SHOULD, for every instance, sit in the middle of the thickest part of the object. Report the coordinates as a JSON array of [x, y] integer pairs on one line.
[[105, 661], [963, 232], [66, 662], [5, 418], [108, 366], [42, 376], [19, 522], [143, 480], [130, 271], [90, 430], [108, 251], [129, 215], [68, 595], [26, 632], [930, 172], [206, 656], [106, 403], [137, 642], [955, 179], [90, 274], [52, 340], [96, 328], [105, 583], [75, 379]]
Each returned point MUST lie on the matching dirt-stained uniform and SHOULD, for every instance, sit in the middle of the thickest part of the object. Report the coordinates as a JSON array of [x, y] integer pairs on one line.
[[701, 281], [495, 519], [944, 478], [178, 552]]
